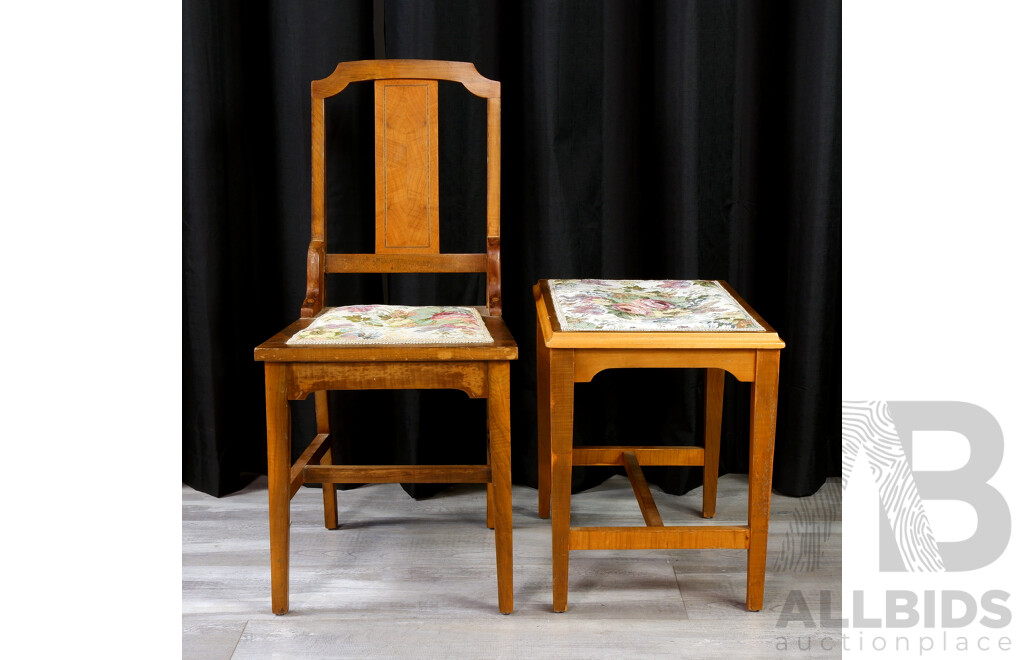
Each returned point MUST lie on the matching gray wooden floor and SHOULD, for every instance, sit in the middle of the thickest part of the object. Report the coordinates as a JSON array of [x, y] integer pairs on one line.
[[408, 579]]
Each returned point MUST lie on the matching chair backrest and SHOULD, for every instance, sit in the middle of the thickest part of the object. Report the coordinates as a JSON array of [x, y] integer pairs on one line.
[[407, 232]]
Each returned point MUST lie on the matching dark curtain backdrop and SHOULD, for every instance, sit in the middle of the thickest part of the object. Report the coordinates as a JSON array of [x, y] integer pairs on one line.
[[692, 139]]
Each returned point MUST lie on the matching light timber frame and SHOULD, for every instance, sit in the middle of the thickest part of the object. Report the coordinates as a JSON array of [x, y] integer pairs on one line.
[[407, 235], [566, 358]]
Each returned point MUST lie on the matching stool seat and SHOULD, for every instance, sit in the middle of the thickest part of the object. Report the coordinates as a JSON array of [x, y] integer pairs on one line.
[[586, 326], [648, 305]]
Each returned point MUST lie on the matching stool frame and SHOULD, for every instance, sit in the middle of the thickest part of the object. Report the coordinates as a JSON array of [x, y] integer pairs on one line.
[[566, 358]]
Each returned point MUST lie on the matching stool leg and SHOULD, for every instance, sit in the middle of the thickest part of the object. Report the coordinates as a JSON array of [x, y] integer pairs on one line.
[[714, 386], [323, 425], [543, 428], [561, 406], [499, 432], [763, 403], [278, 468]]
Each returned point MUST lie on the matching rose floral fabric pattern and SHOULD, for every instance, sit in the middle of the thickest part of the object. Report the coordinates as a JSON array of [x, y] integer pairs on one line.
[[395, 324], [667, 305]]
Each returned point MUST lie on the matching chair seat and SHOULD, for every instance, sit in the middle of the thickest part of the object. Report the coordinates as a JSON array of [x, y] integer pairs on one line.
[[394, 324], [648, 305], [501, 346]]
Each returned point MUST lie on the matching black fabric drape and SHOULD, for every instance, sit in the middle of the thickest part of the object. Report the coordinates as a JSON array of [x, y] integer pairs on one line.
[[692, 139]]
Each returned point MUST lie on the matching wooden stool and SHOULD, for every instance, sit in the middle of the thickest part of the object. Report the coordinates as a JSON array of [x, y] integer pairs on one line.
[[566, 356]]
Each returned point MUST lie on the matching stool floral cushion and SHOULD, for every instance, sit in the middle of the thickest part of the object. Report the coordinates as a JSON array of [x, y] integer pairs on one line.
[[395, 324], [666, 305]]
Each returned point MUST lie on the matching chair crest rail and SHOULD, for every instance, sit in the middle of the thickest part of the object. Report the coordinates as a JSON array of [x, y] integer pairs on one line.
[[363, 70]]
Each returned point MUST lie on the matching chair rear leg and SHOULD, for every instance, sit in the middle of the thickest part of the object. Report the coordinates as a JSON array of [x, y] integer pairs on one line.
[[323, 425], [490, 485]]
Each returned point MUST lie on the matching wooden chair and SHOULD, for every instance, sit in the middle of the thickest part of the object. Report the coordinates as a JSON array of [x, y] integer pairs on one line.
[[407, 236], [566, 356]]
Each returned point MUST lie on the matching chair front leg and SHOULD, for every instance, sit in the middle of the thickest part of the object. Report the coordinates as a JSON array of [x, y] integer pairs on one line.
[[500, 443], [279, 449]]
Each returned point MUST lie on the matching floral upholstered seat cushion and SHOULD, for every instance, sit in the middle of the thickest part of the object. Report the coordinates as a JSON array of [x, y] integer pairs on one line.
[[395, 324], [666, 305]]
